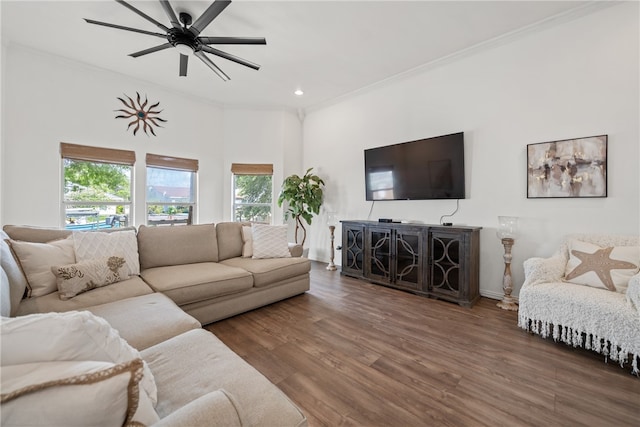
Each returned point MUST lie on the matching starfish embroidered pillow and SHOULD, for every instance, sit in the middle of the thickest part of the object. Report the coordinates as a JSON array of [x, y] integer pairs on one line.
[[606, 268]]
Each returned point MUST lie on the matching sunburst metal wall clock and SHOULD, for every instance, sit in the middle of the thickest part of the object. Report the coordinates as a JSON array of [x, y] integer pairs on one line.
[[141, 114]]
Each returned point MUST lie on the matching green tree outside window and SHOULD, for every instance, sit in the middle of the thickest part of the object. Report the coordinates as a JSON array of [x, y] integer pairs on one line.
[[253, 198]]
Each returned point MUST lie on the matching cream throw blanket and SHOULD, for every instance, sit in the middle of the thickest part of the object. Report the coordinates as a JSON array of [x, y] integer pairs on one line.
[[596, 319]]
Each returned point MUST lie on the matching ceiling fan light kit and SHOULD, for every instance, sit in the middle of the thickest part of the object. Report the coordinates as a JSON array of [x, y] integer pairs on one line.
[[184, 49], [184, 36]]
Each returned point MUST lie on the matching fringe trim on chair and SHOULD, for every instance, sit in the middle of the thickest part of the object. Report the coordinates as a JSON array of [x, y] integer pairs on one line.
[[577, 338]]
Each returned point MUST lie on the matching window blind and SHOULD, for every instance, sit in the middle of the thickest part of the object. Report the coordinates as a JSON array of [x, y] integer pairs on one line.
[[168, 162], [97, 154], [252, 169]]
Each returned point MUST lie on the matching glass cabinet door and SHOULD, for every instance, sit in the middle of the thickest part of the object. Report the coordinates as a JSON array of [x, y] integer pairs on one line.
[[379, 257], [353, 250], [445, 264], [409, 259]]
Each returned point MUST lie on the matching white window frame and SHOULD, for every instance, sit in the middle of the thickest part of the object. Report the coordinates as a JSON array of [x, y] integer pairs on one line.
[[241, 169], [90, 154], [175, 164]]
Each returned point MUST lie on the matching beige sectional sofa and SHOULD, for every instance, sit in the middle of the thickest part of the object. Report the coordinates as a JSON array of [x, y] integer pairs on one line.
[[189, 275], [212, 282]]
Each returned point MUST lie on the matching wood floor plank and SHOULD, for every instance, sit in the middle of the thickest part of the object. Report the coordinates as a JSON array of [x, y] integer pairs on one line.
[[352, 353]]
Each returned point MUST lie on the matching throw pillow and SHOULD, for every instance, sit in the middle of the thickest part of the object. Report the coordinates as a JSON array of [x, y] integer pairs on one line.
[[73, 279], [10, 265], [69, 336], [270, 241], [247, 242], [74, 393], [92, 245], [36, 260], [606, 268]]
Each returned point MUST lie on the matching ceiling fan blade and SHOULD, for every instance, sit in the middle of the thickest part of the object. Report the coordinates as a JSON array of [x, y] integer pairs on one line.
[[170, 13], [151, 50], [209, 15], [209, 63], [144, 15], [184, 60], [232, 40], [230, 57], [120, 27]]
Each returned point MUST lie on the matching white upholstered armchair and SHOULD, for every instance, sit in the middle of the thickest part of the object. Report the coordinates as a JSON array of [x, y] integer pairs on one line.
[[603, 320]]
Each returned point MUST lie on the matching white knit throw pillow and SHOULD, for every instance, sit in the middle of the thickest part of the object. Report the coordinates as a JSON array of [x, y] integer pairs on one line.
[[270, 241], [94, 245]]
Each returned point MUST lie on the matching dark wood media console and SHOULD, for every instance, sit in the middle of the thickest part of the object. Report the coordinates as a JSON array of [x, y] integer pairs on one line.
[[429, 260]]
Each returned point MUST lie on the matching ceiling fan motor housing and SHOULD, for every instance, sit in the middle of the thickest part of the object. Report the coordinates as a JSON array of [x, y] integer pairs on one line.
[[176, 36]]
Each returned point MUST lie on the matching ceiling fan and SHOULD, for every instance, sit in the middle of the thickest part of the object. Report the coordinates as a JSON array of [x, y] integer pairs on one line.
[[184, 35]]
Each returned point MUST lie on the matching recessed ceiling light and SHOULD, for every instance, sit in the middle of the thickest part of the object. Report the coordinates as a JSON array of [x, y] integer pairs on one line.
[[298, 92]]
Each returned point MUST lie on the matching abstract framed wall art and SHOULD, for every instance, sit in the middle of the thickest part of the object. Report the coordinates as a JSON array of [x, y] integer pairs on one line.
[[567, 168]]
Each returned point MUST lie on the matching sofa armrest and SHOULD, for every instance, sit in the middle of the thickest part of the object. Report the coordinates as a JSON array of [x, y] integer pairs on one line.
[[633, 292], [541, 270], [216, 408], [295, 250]]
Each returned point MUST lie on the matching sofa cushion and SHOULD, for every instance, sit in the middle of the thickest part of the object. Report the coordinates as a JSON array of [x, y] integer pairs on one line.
[[74, 279], [212, 310], [247, 241], [132, 287], [35, 234], [36, 260], [43, 235], [93, 245], [216, 408], [190, 283], [229, 239], [17, 281], [75, 393], [296, 249], [146, 320], [271, 270], [182, 376], [163, 246]]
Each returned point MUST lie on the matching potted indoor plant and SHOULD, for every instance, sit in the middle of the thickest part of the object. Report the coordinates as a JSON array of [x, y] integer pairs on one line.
[[304, 198]]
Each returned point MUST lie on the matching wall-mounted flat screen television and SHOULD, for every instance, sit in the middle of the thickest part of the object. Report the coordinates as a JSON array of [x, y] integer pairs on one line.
[[431, 168]]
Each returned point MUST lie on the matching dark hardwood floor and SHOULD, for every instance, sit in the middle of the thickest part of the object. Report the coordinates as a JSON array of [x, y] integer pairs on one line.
[[352, 353]]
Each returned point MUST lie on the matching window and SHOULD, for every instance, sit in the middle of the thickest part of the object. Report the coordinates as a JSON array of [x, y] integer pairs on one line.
[[97, 185], [252, 192], [171, 190]]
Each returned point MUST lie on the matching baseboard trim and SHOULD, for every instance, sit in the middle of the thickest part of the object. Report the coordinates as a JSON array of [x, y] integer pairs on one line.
[[494, 295]]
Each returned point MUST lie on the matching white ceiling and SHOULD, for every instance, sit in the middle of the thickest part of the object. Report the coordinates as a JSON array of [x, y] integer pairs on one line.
[[326, 48]]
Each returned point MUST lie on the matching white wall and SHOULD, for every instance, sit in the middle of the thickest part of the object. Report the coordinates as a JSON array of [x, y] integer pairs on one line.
[[2, 127], [55, 100], [572, 80], [261, 136]]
